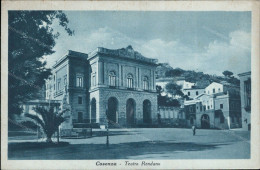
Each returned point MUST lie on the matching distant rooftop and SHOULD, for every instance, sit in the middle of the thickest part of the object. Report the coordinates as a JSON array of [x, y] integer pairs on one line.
[[127, 52], [162, 79], [71, 54], [244, 74]]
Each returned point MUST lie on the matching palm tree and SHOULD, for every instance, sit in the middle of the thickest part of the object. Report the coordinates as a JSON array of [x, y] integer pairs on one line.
[[47, 119]]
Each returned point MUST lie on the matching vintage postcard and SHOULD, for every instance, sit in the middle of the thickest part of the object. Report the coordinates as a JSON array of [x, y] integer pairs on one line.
[[130, 85]]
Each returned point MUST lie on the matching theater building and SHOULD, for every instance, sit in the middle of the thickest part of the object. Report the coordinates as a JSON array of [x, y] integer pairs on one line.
[[114, 84]]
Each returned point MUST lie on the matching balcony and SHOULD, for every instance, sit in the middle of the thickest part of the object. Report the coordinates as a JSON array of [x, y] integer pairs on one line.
[[58, 93]]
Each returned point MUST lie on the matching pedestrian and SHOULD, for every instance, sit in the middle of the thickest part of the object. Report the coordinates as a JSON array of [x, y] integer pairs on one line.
[[194, 130]]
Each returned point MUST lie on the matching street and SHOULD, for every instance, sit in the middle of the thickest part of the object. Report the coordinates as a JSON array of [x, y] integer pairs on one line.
[[146, 143]]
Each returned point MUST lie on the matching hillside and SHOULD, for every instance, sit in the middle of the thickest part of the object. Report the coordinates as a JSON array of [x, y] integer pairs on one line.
[[201, 79]]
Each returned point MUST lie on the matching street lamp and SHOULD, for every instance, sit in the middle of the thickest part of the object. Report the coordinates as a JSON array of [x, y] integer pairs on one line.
[[107, 126]]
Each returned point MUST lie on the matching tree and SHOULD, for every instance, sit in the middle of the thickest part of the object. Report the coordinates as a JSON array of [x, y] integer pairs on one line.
[[173, 73], [47, 119], [227, 73], [30, 37], [174, 89]]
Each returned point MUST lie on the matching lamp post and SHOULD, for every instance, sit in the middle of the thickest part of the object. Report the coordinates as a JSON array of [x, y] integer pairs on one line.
[[107, 126]]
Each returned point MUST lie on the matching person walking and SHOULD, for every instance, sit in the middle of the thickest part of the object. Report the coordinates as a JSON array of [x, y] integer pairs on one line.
[[194, 130]]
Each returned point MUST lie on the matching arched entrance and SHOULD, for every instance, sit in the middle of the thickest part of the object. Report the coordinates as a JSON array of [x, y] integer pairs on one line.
[[112, 110], [205, 123], [147, 117], [93, 110], [130, 112]]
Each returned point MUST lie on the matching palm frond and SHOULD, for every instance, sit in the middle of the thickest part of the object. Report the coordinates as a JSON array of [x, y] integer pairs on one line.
[[35, 119]]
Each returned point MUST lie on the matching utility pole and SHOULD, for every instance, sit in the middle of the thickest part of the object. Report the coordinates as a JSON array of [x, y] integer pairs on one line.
[[107, 143]]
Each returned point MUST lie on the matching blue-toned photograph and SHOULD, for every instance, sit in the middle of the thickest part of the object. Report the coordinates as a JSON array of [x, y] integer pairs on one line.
[[134, 85]]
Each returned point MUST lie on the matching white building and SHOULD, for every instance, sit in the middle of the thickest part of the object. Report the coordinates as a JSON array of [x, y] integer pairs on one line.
[[185, 84], [178, 80], [214, 88], [193, 92]]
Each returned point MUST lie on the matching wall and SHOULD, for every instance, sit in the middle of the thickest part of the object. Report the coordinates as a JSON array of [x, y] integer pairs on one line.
[[79, 68], [193, 92], [122, 96], [217, 86], [225, 111], [103, 65], [169, 115], [207, 101], [246, 114]]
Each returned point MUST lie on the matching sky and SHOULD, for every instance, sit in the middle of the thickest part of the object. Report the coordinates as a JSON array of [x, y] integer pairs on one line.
[[202, 41]]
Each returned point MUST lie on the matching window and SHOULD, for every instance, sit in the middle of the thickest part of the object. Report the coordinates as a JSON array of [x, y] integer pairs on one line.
[[197, 93], [79, 82], [221, 106], [213, 90], [219, 90], [112, 79], [200, 108], [54, 86], [79, 100], [53, 78], [188, 93], [80, 117], [145, 83], [130, 81], [204, 108], [208, 91], [208, 107]]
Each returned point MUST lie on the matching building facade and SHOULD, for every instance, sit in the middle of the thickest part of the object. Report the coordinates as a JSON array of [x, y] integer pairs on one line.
[[219, 107], [114, 84], [193, 92], [70, 73], [245, 93]]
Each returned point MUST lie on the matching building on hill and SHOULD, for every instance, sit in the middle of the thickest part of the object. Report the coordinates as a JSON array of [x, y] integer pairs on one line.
[[184, 84], [245, 93], [218, 110], [117, 83], [178, 80], [193, 92], [215, 88]]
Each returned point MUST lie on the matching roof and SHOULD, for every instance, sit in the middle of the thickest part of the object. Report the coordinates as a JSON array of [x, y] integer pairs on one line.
[[224, 84], [127, 52], [202, 95], [195, 88], [244, 74], [190, 102], [70, 53]]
